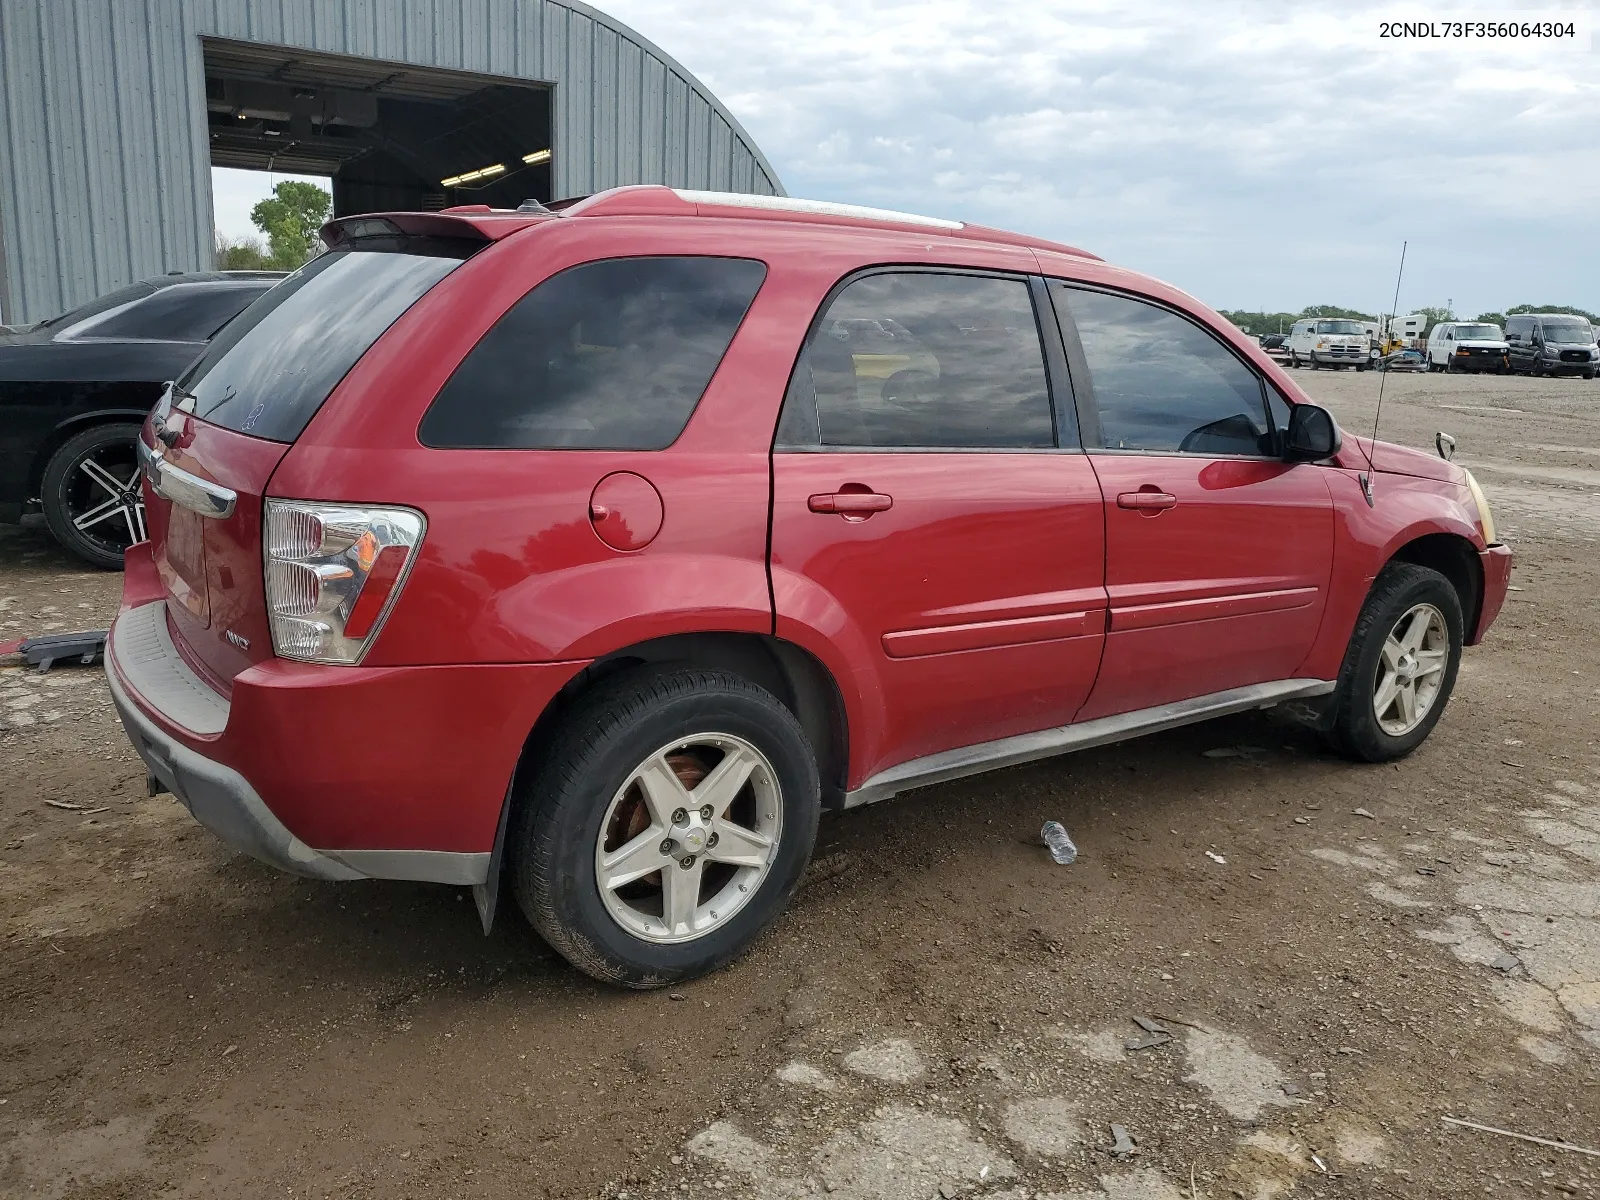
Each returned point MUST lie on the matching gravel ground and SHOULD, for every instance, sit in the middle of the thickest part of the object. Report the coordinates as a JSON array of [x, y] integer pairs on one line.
[[943, 1012]]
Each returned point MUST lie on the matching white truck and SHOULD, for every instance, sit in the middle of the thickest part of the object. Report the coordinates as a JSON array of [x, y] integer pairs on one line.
[[1468, 346], [1329, 342]]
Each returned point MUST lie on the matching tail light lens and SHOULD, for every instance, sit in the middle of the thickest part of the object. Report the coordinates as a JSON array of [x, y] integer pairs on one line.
[[333, 573]]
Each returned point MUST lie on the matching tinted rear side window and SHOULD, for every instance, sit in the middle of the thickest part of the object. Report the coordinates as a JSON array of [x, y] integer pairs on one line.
[[610, 355], [918, 359], [181, 313], [267, 373]]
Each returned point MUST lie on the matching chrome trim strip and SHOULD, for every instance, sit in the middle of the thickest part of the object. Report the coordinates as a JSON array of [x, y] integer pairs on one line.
[[1064, 739], [186, 490]]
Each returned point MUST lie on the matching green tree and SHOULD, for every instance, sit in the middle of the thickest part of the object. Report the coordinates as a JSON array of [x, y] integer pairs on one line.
[[1536, 308], [290, 218], [1333, 310], [1434, 315], [1493, 319], [246, 254], [1259, 323]]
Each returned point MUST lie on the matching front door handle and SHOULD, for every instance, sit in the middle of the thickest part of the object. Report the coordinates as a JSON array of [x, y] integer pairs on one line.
[[1150, 502], [850, 504]]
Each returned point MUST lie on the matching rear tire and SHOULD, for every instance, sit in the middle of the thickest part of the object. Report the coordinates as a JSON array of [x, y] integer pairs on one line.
[[1371, 721], [612, 778], [82, 483]]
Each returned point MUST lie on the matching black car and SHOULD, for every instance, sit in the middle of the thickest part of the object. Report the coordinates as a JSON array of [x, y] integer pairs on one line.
[[75, 389]]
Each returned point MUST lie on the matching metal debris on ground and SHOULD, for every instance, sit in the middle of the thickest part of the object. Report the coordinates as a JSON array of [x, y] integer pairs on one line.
[[44, 652], [1155, 1034], [1522, 1137], [1059, 843], [1123, 1147], [1234, 752]]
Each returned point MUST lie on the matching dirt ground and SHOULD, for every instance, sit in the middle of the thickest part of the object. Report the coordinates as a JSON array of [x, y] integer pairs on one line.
[[1344, 955]]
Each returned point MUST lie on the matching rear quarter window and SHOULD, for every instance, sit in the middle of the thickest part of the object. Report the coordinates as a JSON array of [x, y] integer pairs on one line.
[[268, 372], [609, 355], [180, 313]]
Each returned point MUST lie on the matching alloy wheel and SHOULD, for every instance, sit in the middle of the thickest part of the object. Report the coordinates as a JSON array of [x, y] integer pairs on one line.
[[103, 497], [688, 838], [1411, 669]]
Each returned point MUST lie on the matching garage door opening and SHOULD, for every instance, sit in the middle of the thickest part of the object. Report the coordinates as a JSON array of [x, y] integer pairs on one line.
[[391, 136]]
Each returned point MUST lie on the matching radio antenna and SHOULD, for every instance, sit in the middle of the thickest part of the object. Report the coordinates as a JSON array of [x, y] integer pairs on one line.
[[1383, 378]]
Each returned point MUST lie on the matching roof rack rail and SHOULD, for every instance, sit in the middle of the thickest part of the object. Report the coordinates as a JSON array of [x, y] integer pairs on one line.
[[658, 200]]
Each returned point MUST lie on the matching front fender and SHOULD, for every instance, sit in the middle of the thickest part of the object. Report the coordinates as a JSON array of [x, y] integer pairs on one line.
[[1367, 539]]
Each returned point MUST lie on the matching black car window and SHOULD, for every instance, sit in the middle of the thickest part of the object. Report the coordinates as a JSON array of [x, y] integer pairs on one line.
[[190, 312], [610, 355], [98, 305], [267, 373], [1163, 383], [919, 359]]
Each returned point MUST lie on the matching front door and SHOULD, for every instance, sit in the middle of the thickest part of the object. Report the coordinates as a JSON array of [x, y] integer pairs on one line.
[[926, 529], [1218, 553]]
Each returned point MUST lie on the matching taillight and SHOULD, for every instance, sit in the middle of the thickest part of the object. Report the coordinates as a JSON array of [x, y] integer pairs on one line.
[[333, 573]]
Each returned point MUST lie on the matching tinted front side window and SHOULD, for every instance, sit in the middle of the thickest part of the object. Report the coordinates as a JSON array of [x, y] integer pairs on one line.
[[267, 373], [611, 355], [922, 360], [1162, 383], [181, 313]]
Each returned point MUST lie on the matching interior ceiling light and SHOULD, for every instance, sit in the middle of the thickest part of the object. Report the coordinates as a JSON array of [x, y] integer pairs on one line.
[[477, 176], [537, 157]]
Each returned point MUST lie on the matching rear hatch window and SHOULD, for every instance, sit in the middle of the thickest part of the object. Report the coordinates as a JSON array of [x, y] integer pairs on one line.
[[269, 370]]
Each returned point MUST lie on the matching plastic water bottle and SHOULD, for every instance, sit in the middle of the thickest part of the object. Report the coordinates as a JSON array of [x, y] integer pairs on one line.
[[1061, 847]]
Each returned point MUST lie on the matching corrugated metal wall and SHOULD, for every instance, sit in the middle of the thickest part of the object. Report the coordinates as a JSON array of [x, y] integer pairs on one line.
[[105, 172]]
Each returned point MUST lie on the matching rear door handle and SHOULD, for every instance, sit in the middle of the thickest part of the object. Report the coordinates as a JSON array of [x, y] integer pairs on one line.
[[850, 504], [1146, 501]]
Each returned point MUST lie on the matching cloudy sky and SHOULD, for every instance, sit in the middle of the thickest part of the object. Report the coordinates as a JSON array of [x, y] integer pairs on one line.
[[1254, 154]]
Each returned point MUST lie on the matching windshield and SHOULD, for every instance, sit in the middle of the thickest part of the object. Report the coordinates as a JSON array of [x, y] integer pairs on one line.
[[1341, 327], [1478, 333], [272, 366], [1568, 329]]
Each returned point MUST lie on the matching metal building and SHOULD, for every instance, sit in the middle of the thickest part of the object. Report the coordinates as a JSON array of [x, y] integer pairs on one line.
[[112, 113]]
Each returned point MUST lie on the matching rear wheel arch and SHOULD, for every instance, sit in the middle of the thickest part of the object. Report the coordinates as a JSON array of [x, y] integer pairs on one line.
[[1454, 557], [71, 427], [800, 682]]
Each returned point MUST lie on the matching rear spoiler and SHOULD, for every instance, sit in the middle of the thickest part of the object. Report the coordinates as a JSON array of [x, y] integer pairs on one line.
[[465, 231]]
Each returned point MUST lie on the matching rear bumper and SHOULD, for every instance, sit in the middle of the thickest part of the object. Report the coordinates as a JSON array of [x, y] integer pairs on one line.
[[1496, 562], [331, 772], [219, 797]]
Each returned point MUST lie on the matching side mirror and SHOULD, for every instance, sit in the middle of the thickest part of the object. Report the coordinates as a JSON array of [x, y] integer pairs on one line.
[[1312, 435]]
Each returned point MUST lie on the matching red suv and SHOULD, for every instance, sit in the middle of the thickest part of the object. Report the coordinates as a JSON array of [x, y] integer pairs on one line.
[[600, 551]]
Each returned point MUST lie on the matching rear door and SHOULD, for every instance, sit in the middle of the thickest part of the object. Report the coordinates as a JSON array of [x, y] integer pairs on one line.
[[1218, 553], [227, 423], [924, 514]]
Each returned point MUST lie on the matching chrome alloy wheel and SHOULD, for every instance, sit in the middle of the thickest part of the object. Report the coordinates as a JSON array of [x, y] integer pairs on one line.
[[689, 837], [1411, 669], [104, 499]]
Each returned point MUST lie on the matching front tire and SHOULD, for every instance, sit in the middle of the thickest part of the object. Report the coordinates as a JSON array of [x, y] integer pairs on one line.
[[668, 825], [1400, 668], [92, 503]]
